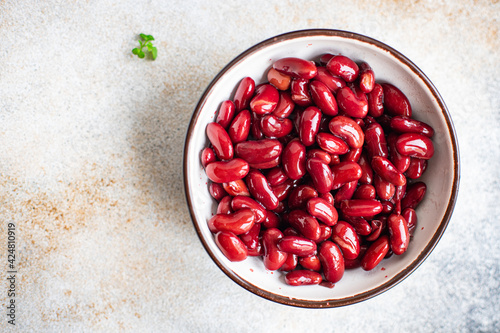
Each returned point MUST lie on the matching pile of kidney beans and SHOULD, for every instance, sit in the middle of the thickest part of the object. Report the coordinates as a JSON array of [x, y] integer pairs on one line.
[[317, 170]]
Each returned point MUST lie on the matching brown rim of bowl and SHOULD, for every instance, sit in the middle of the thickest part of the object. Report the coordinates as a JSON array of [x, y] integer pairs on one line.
[[437, 235]]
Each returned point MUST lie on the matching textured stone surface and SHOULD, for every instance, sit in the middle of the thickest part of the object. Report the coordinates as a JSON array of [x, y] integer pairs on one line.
[[90, 163]]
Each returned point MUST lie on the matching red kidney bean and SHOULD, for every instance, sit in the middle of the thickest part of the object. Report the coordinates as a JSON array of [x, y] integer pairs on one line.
[[285, 105], [375, 253], [332, 261], [335, 159], [410, 216], [224, 206], [321, 175], [385, 190], [224, 172], [328, 197], [216, 191], [259, 188], [343, 67], [231, 246], [344, 235], [325, 233], [359, 207], [301, 195], [331, 144], [395, 101], [299, 89], [414, 195], [348, 130], [366, 78], [375, 142], [290, 232], [345, 172], [387, 207], [333, 82], [399, 237], [376, 101], [302, 277], [259, 151], [322, 210], [401, 162], [346, 191], [226, 113], [251, 239], [352, 102], [297, 245], [319, 154], [365, 191], [386, 170], [273, 257], [415, 145], [362, 227], [244, 93], [236, 187], [323, 98], [274, 127], [265, 100], [282, 191], [238, 222], [222, 145], [304, 223], [272, 220], [207, 156], [309, 125], [279, 80], [290, 263], [266, 165], [241, 202], [296, 67], [366, 170], [276, 176], [240, 127], [352, 155], [416, 168], [311, 263], [294, 159], [324, 58], [408, 125]]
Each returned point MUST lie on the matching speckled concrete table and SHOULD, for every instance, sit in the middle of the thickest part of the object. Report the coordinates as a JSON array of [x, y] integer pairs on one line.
[[91, 142]]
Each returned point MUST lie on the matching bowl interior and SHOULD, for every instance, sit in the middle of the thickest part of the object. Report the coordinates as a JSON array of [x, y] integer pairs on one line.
[[441, 177]]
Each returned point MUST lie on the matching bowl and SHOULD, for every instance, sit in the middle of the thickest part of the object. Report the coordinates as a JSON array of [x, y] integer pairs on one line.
[[442, 175]]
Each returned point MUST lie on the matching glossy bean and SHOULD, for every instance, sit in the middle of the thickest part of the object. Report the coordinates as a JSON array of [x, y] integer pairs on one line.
[[333, 82], [319, 154], [321, 174], [352, 102], [251, 239], [220, 140], [236, 187], [415, 145], [365, 191], [344, 67], [348, 130], [224, 206], [344, 235], [323, 98], [385, 190], [272, 220], [359, 207], [366, 78], [299, 90], [296, 67], [276, 176], [332, 261], [376, 101], [297, 245], [387, 171], [273, 258], [242, 202], [259, 151], [414, 195], [401, 162], [331, 143], [410, 215], [227, 171], [399, 237], [240, 127], [285, 105], [346, 191], [244, 93], [265, 100], [416, 168], [312, 263], [366, 170], [274, 127], [303, 277], [345, 172], [362, 227], [309, 125], [207, 156], [409, 125], [294, 159], [395, 101], [226, 113], [352, 155], [375, 253], [290, 263], [282, 191], [231, 246], [322, 210], [217, 191], [304, 223], [375, 141], [238, 222], [259, 188]]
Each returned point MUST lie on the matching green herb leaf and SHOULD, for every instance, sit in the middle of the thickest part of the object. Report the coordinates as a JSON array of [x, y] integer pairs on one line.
[[135, 51], [145, 42], [143, 36], [141, 54], [154, 53]]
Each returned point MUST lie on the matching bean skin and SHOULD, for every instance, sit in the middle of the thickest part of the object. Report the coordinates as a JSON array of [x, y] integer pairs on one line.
[[343, 67], [332, 261], [224, 172], [323, 98], [279, 80], [395, 101], [344, 235], [303, 277], [259, 188], [399, 236], [231, 246], [244, 93], [375, 253], [348, 130], [294, 159], [415, 145], [220, 140], [240, 127], [296, 67], [273, 257], [265, 100], [238, 222], [305, 224]]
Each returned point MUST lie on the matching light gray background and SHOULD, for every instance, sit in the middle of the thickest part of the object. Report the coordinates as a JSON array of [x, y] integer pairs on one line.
[[91, 142]]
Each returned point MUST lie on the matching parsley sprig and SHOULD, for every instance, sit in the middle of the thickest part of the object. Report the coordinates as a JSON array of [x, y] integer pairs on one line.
[[146, 41]]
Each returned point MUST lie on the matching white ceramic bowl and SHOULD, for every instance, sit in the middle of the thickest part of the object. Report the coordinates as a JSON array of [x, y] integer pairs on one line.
[[441, 177]]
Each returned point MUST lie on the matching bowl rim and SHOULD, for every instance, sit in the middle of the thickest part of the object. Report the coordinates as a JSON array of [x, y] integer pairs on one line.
[[425, 251]]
